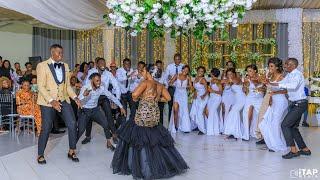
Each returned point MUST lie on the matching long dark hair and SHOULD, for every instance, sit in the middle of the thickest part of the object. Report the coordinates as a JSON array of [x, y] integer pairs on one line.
[[277, 62], [82, 66]]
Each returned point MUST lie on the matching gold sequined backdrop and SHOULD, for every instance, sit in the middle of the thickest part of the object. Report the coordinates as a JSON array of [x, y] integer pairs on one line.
[[311, 48], [89, 45], [247, 33]]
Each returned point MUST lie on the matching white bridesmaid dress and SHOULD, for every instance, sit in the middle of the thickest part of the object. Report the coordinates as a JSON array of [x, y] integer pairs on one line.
[[213, 121], [197, 109], [181, 97], [270, 126], [228, 100], [233, 122], [253, 99]]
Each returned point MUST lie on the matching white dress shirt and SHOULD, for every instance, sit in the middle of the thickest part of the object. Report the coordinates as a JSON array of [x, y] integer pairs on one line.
[[122, 78], [58, 70], [161, 79], [91, 101], [294, 83], [134, 81], [106, 78], [172, 69]]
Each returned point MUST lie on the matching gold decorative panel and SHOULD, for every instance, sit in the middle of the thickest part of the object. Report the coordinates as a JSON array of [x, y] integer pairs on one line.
[[89, 45]]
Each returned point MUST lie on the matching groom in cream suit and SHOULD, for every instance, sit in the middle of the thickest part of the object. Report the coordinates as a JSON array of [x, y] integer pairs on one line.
[[54, 99]]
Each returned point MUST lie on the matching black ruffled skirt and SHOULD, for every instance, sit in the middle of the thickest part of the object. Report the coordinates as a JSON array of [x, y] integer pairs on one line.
[[146, 153]]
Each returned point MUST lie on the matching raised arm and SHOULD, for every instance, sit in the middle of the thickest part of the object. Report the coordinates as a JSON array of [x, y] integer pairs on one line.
[[165, 96], [112, 98], [139, 90]]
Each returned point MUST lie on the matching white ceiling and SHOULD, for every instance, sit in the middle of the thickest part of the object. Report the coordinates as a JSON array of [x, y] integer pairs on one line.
[[9, 16]]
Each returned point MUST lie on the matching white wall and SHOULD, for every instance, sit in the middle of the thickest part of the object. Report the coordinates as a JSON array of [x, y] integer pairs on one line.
[[16, 42]]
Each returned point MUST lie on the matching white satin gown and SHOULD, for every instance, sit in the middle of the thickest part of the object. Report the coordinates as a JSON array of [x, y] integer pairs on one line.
[[181, 97], [253, 99], [213, 122], [227, 99], [197, 109], [270, 126], [233, 122]]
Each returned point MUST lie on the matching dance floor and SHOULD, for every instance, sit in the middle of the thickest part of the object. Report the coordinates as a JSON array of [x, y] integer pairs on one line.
[[209, 157]]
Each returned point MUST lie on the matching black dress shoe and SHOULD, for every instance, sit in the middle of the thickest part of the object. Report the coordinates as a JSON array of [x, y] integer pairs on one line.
[[41, 160], [305, 124], [245, 140], [73, 157], [111, 147], [305, 153], [261, 142], [196, 129], [57, 131], [270, 150], [290, 155], [231, 137], [200, 133], [86, 140]]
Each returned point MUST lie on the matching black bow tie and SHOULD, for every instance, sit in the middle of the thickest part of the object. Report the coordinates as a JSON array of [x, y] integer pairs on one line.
[[57, 65]]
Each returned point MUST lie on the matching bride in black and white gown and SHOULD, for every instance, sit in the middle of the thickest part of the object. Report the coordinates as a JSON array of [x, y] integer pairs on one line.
[[146, 149]]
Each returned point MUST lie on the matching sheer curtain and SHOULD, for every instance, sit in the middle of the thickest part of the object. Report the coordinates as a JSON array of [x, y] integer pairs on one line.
[[70, 14], [43, 38]]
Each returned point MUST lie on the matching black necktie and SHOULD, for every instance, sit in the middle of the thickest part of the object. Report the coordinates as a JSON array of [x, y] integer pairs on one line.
[[127, 81], [57, 65], [176, 69]]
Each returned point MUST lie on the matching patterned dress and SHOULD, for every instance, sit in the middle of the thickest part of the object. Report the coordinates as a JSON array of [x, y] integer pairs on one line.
[[26, 105], [146, 149]]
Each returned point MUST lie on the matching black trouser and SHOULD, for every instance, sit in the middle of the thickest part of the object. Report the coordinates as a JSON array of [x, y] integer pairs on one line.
[[161, 107], [89, 115], [127, 99], [291, 122], [48, 116], [75, 108], [171, 90], [105, 104]]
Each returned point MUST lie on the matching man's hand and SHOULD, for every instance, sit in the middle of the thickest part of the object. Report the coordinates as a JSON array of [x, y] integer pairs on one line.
[[78, 102], [86, 92], [123, 112], [56, 105]]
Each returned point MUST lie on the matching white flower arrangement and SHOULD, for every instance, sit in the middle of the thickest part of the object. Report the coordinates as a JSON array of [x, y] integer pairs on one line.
[[176, 16]]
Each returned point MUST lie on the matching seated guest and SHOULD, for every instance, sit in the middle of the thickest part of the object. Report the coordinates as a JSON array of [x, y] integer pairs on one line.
[[18, 70], [6, 70], [6, 89], [29, 72], [83, 72], [27, 105], [34, 85], [1, 61]]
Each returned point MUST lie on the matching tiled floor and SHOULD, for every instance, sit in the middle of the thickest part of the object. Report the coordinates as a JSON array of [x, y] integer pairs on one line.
[[209, 157]]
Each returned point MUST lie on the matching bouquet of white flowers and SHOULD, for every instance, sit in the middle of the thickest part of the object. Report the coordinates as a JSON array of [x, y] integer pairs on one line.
[[176, 16]]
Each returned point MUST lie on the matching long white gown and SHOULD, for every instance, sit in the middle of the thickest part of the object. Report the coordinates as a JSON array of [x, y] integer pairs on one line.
[[181, 97], [197, 108], [233, 122], [271, 124], [228, 100], [253, 99], [213, 121]]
